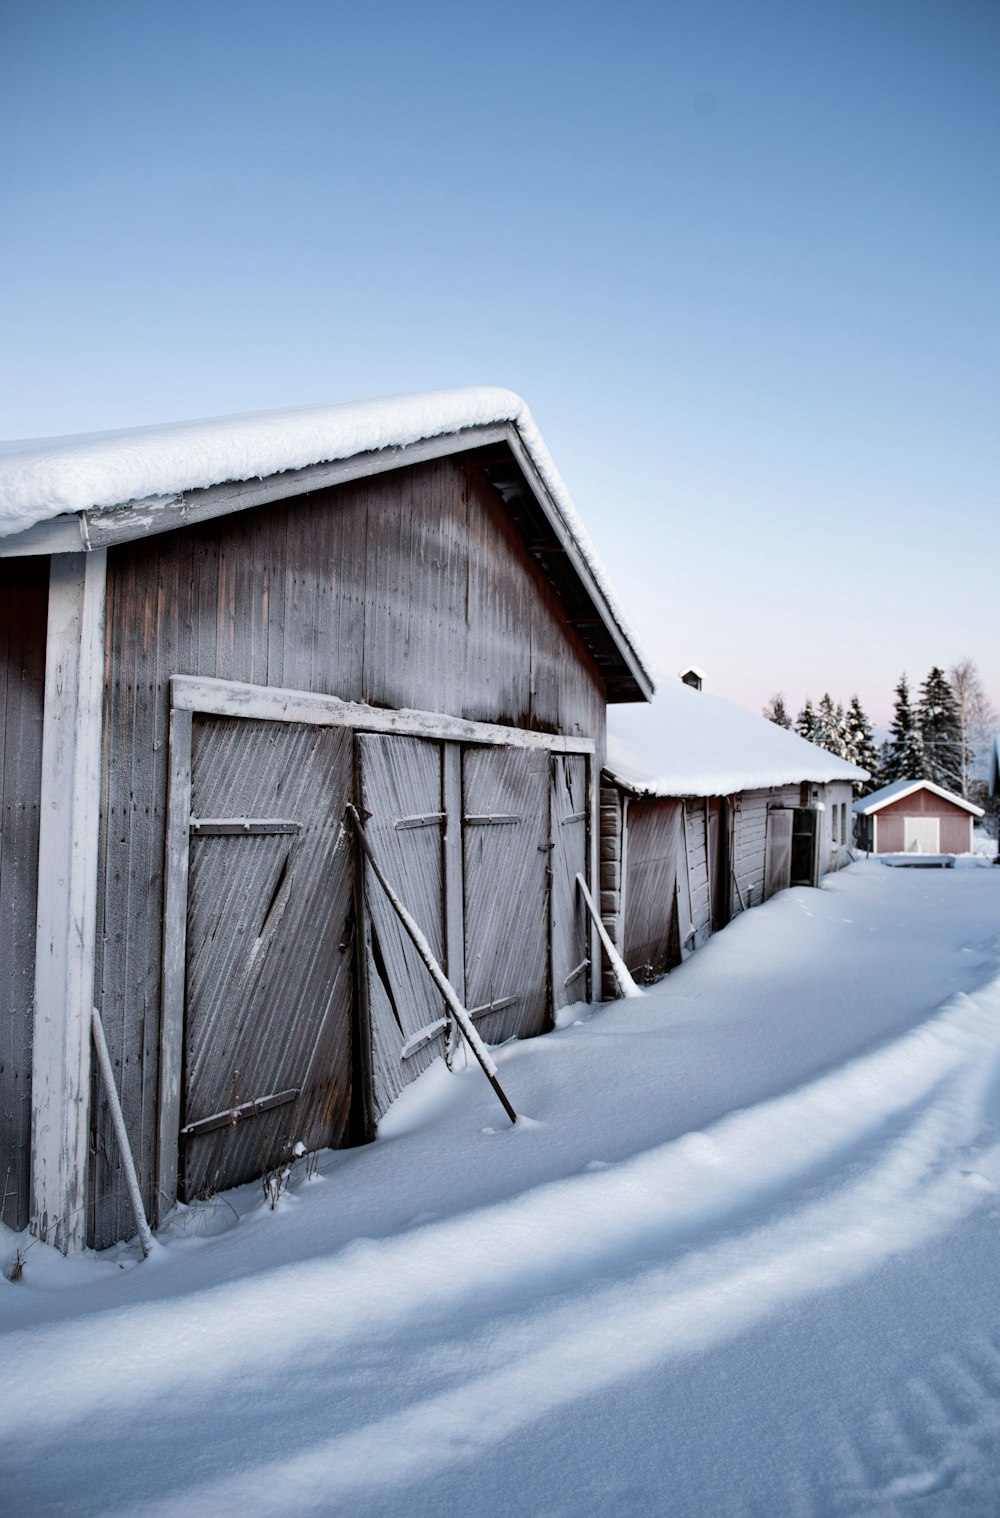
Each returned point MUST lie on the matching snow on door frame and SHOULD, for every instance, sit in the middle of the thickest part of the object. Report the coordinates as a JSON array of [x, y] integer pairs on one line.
[[229, 698]]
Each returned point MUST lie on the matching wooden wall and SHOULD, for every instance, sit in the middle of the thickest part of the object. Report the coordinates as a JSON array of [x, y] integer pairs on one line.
[[634, 843], [412, 589], [749, 834], [23, 612], [611, 843]]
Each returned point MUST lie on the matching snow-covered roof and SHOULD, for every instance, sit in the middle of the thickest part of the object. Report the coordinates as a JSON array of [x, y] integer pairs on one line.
[[688, 743], [147, 467], [874, 802]]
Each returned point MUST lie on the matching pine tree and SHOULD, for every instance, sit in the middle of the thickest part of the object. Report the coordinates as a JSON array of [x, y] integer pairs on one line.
[[904, 753], [807, 723], [832, 727], [885, 771], [860, 745], [775, 710], [827, 714], [941, 731]]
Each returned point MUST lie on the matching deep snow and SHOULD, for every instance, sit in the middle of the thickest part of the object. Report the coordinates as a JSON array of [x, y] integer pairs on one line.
[[740, 1258]]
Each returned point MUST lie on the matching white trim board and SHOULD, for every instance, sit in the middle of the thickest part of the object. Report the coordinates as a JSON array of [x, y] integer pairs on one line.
[[67, 899]]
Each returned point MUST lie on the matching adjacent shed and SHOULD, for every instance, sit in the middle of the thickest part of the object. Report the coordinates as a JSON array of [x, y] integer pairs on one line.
[[214, 637], [707, 810], [915, 817]]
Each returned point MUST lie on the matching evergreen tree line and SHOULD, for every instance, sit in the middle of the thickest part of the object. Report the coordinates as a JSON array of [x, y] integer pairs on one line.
[[934, 738]]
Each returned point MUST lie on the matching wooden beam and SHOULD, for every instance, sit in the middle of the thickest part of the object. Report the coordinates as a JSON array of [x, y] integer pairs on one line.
[[233, 698], [62, 534], [67, 898], [454, 888]]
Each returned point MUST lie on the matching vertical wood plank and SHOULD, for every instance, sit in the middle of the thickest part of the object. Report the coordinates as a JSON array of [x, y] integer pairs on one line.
[[454, 890], [67, 897], [23, 609], [175, 875]]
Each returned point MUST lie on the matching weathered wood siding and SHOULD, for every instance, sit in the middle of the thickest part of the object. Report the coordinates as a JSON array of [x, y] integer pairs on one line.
[[23, 611], [268, 1005], [651, 937], [412, 589], [613, 804], [569, 851], [749, 821], [695, 830], [837, 797]]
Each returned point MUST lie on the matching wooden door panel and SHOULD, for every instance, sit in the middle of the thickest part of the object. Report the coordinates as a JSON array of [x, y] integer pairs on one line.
[[778, 850], [505, 848], [651, 940], [401, 790], [268, 984], [568, 928]]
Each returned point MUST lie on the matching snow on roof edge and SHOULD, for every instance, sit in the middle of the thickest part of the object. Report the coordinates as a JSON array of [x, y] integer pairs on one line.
[[688, 743], [41, 478]]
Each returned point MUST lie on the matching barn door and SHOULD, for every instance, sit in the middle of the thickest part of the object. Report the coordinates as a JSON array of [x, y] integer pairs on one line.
[[267, 1026], [505, 853], [778, 850], [401, 788], [568, 925]]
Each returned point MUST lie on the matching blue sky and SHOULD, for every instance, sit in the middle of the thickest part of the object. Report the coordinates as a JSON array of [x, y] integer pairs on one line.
[[741, 260]]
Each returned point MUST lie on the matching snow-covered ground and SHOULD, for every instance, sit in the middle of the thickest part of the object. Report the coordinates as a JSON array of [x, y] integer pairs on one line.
[[740, 1257]]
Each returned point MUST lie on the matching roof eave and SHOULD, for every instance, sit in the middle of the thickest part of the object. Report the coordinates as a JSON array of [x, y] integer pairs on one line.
[[626, 677]]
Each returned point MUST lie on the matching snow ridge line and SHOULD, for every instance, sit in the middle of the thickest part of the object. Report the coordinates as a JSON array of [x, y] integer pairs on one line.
[[922, 1094]]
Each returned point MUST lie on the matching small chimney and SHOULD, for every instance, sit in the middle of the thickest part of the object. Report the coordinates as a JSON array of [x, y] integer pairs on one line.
[[693, 676]]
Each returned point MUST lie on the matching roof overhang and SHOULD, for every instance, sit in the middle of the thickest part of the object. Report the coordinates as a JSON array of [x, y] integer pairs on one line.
[[497, 448]]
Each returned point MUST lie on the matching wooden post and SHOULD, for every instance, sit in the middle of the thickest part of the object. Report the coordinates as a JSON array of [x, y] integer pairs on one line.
[[626, 984], [118, 1119], [454, 894], [67, 898]]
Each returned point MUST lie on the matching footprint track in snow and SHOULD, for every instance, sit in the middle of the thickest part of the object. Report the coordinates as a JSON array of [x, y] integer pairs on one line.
[[933, 1449]]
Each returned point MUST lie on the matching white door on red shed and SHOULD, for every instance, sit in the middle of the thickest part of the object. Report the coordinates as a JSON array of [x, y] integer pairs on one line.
[[922, 835]]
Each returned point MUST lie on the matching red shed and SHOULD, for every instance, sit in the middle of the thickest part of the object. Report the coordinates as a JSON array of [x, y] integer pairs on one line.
[[915, 817]]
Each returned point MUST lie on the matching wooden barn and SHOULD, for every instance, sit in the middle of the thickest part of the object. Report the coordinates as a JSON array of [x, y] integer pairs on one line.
[[707, 810], [215, 639], [915, 817]]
